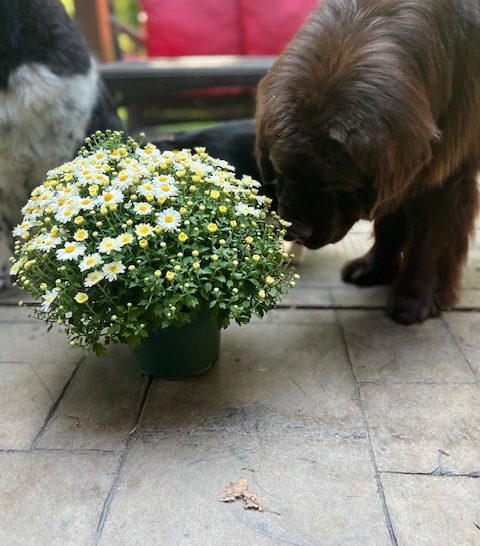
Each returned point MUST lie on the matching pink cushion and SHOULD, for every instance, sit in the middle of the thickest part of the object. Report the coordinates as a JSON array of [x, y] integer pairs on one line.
[[222, 27]]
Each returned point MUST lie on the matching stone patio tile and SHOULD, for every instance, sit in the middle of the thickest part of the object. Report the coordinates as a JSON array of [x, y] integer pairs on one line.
[[431, 510], [471, 274], [12, 296], [424, 428], [101, 406], [324, 492], [321, 268], [13, 313], [469, 299], [52, 498], [466, 329], [353, 296], [307, 296], [27, 392], [31, 343], [382, 350], [301, 316], [270, 377]]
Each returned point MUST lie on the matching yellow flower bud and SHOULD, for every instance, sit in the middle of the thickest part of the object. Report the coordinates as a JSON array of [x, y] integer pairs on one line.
[[222, 209], [192, 188], [269, 280], [170, 275], [214, 194], [81, 297], [256, 258], [233, 224], [93, 190], [79, 220], [158, 274], [196, 178], [182, 237], [249, 240], [261, 294], [143, 243], [196, 266], [183, 211], [212, 228]]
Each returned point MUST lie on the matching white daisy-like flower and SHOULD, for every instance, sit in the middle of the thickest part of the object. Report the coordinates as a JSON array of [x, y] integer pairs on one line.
[[67, 191], [166, 190], [143, 230], [65, 213], [71, 251], [48, 298], [108, 245], [147, 153], [142, 208], [22, 228], [125, 239], [48, 242], [250, 182], [246, 210], [99, 156], [15, 269], [100, 178], [93, 278], [46, 197], [80, 235], [112, 270], [110, 196], [124, 179], [169, 219], [89, 261], [86, 203], [148, 188]]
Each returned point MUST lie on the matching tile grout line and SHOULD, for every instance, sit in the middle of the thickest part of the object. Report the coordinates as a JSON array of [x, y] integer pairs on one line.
[[464, 356], [124, 455], [472, 475], [56, 404], [378, 480]]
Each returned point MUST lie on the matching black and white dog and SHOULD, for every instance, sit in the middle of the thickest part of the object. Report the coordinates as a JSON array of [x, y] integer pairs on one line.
[[51, 98]]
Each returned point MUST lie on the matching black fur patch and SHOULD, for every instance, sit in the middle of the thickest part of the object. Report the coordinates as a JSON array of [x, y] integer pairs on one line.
[[40, 31]]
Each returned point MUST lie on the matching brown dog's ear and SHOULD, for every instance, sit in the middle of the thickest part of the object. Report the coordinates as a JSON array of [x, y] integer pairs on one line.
[[400, 163], [265, 166], [393, 156]]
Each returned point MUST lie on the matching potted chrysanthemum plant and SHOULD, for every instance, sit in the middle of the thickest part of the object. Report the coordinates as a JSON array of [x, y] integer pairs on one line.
[[157, 250]]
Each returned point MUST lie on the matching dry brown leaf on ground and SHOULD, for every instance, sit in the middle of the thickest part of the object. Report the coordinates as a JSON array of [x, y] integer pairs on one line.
[[240, 490], [234, 491]]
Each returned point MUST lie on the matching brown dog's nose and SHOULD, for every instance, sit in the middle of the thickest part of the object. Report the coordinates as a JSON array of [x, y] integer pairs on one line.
[[300, 230]]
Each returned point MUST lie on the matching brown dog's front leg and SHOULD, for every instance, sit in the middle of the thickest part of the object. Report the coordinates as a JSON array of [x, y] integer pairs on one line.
[[439, 224], [380, 265]]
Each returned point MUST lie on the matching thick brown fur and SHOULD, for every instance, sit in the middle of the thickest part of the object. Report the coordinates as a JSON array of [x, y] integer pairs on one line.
[[373, 111]]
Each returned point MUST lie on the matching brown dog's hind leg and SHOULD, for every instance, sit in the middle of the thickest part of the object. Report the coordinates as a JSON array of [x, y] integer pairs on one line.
[[439, 227], [380, 265]]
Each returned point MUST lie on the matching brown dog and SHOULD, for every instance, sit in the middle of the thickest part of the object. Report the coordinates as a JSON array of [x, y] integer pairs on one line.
[[373, 111]]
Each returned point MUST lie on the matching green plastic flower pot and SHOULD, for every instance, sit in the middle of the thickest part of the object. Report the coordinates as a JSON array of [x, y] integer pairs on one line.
[[179, 352]]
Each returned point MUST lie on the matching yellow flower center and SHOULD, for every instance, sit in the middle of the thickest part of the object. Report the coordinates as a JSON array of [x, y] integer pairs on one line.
[[69, 249], [168, 219], [108, 197]]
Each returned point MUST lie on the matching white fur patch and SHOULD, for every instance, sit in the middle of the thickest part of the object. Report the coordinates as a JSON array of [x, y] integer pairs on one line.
[[43, 120]]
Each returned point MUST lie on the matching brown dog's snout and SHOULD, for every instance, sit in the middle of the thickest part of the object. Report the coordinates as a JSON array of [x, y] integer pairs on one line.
[[299, 231]]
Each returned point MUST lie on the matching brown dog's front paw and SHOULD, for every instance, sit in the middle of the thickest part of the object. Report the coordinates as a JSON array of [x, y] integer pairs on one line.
[[365, 272], [408, 309]]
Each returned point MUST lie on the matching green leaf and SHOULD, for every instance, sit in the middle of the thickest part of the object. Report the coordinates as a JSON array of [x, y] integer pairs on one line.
[[99, 349]]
